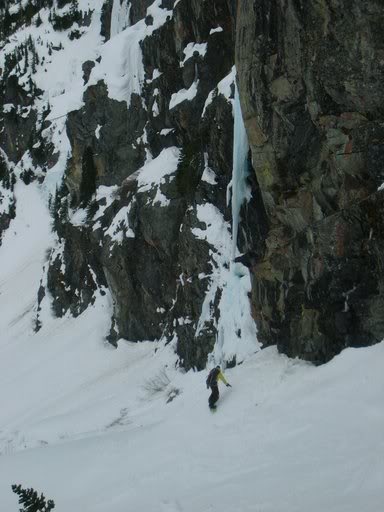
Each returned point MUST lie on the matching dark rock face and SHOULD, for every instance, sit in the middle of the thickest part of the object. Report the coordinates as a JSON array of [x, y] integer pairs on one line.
[[138, 9], [310, 78], [152, 267], [19, 120], [106, 14], [105, 132]]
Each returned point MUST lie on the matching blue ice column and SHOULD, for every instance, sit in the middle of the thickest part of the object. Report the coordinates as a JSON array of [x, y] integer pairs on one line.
[[240, 190]]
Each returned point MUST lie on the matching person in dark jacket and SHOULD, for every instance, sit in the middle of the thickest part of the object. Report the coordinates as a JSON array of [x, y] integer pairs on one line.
[[212, 382]]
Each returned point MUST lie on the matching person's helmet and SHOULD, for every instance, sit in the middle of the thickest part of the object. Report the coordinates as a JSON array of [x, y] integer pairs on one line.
[[218, 367]]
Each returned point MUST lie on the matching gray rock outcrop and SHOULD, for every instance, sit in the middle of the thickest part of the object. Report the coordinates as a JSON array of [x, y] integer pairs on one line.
[[310, 78]]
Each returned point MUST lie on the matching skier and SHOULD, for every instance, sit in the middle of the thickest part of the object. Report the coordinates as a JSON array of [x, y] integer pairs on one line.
[[212, 382]]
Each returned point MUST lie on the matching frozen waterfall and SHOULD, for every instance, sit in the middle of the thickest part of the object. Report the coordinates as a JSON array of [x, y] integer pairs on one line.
[[236, 329], [240, 190], [120, 16]]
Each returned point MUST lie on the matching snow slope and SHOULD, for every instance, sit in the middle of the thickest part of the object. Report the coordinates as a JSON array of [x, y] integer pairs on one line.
[[99, 429], [83, 422]]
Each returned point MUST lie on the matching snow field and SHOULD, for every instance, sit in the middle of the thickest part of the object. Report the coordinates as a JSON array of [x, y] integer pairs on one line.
[[285, 437], [21, 256], [79, 424]]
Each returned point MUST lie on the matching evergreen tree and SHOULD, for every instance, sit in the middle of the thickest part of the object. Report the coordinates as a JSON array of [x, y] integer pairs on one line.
[[31, 501], [39, 21]]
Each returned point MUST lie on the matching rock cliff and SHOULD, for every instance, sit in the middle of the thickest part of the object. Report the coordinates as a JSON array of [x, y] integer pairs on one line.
[[145, 160], [123, 111], [310, 78]]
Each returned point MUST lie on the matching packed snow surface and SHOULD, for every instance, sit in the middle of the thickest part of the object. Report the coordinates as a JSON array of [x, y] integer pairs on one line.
[[99, 429], [184, 95]]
